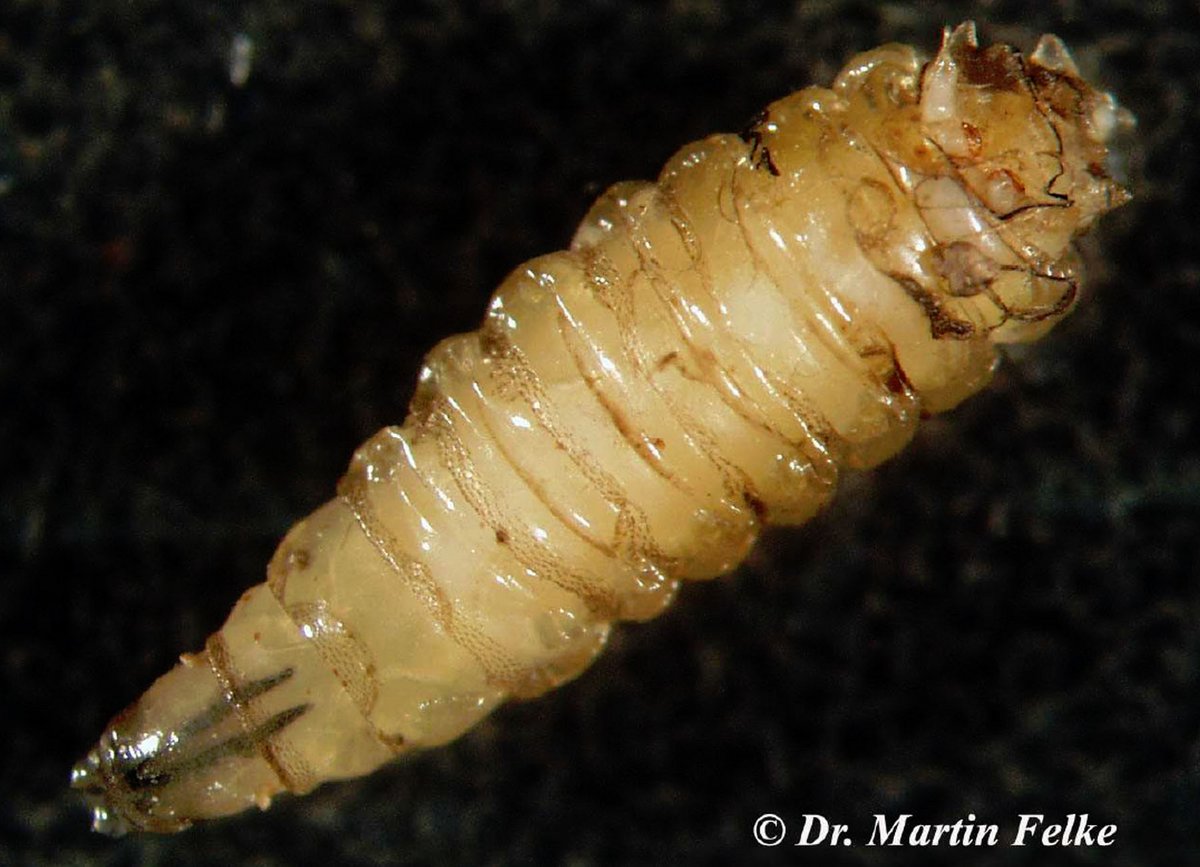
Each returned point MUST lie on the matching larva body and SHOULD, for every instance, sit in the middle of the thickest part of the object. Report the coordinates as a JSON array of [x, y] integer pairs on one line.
[[709, 353]]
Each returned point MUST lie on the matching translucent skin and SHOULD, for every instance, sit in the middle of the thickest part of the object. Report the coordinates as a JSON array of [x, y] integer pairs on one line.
[[708, 354]]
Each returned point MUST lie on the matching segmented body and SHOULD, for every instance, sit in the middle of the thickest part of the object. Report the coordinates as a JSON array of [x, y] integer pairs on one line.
[[709, 353]]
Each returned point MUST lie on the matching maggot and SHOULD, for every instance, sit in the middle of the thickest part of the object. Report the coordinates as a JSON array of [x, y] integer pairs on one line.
[[711, 352]]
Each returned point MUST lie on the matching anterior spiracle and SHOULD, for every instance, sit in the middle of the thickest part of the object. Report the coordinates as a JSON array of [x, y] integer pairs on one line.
[[709, 353]]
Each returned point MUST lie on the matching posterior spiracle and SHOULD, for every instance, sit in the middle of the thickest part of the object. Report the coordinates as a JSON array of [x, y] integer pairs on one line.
[[709, 353]]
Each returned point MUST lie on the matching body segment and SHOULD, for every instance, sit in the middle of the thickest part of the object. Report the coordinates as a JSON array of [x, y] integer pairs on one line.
[[709, 353]]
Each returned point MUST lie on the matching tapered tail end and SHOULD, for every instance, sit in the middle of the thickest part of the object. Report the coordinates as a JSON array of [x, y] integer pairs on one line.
[[89, 779], [185, 751]]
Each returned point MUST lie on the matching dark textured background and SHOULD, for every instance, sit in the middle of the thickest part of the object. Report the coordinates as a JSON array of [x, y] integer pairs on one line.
[[211, 293]]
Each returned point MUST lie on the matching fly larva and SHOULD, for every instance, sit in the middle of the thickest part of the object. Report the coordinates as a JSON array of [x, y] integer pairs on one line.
[[709, 353]]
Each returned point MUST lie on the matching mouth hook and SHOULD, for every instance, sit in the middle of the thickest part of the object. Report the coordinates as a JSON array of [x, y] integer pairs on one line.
[[89, 778]]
